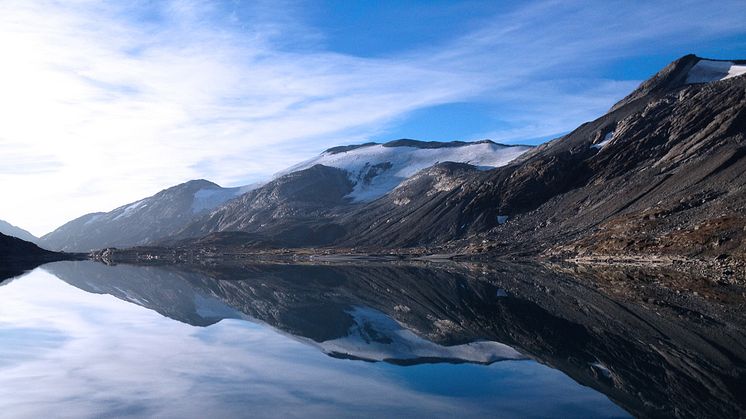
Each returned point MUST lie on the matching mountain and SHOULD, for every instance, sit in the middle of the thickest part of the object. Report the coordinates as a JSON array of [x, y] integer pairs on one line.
[[17, 256], [11, 230], [302, 206], [292, 208], [141, 222], [661, 172]]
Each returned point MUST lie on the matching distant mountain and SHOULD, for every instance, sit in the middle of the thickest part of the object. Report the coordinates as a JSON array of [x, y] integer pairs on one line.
[[141, 222], [11, 230], [291, 208]]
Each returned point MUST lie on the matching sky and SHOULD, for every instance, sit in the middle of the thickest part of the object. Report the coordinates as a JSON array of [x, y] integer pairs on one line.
[[106, 102]]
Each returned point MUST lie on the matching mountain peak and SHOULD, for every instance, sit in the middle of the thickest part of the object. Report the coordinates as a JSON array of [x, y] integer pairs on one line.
[[689, 69]]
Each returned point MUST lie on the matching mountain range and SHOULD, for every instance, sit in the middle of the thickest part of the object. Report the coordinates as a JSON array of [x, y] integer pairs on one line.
[[291, 208], [660, 173]]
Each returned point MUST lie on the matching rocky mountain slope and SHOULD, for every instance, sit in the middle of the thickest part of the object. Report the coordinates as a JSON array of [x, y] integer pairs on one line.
[[141, 222], [10, 230], [662, 172], [303, 207]]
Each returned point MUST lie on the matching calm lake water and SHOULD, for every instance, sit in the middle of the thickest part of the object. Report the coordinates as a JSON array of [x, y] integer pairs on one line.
[[82, 339]]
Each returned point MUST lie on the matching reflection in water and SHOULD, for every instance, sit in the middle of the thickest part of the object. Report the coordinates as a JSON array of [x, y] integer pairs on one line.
[[267, 340]]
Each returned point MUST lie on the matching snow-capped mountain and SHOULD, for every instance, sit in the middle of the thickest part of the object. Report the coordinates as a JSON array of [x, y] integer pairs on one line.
[[293, 205], [376, 169], [143, 221], [10, 230]]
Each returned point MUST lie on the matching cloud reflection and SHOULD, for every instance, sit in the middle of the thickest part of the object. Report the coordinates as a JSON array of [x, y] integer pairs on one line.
[[111, 358]]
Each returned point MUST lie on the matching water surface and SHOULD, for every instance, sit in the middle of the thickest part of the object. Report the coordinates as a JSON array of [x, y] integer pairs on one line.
[[82, 339]]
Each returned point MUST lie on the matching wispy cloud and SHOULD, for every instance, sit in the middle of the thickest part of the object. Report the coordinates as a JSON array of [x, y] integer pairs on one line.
[[116, 100]]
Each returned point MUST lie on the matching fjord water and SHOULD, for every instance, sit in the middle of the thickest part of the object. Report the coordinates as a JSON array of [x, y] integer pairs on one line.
[[82, 339]]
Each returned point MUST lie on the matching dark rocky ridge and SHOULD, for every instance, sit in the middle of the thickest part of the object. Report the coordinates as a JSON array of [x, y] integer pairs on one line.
[[18, 256], [406, 142], [668, 182]]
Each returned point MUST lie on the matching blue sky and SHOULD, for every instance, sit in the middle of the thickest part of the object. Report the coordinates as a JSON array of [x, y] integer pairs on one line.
[[107, 102]]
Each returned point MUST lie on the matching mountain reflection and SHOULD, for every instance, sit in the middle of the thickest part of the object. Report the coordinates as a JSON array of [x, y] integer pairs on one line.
[[650, 363]]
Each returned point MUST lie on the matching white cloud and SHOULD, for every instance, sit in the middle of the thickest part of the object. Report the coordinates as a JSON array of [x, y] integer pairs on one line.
[[104, 103]]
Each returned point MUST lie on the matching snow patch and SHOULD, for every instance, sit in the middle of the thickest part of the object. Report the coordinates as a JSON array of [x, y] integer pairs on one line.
[[377, 337], [707, 71], [211, 308], [376, 170], [402, 201], [129, 210], [607, 138], [502, 219], [601, 369], [93, 218]]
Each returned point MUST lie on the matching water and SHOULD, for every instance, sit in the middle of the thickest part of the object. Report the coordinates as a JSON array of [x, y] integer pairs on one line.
[[82, 339]]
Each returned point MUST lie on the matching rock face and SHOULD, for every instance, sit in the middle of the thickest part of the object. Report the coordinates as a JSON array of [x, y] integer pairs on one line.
[[141, 222], [11, 230]]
